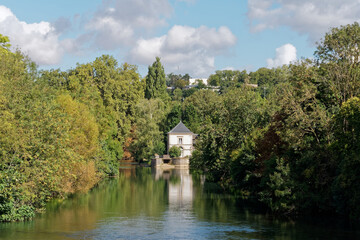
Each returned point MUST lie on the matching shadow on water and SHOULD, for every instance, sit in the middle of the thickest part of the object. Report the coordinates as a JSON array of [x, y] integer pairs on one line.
[[145, 203]]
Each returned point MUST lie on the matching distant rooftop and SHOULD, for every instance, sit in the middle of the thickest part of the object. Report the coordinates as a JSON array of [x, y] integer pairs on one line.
[[180, 128]]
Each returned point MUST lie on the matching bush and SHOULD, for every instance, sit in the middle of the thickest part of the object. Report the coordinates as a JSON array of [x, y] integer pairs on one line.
[[175, 151]]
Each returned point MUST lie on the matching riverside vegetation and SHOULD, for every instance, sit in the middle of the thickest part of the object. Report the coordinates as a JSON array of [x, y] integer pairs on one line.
[[292, 143]]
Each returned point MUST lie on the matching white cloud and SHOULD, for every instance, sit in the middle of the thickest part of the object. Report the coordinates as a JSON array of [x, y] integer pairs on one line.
[[115, 25], [39, 40], [312, 17], [5, 13], [185, 49], [118, 23], [284, 55]]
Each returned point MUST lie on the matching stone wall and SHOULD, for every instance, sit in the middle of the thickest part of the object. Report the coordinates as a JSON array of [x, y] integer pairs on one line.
[[181, 162]]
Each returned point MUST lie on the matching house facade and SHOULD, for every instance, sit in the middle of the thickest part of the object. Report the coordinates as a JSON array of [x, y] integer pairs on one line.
[[183, 138]]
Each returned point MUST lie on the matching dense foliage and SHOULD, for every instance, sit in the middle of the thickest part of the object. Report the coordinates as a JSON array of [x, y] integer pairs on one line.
[[60, 132], [174, 151], [292, 142], [287, 137]]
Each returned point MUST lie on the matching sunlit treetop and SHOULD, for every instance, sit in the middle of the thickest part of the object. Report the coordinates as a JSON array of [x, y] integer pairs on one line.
[[4, 43]]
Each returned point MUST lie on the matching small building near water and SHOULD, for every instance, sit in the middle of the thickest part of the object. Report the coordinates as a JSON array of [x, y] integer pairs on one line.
[[181, 137]]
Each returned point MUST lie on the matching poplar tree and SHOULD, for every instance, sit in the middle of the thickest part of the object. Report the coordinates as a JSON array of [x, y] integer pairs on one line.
[[156, 81]]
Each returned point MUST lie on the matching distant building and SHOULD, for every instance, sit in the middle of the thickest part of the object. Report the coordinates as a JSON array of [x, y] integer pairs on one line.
[[183, 138]]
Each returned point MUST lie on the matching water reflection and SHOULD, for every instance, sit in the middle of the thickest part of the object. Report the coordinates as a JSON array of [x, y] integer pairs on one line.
[[180, 187], [163, 204]]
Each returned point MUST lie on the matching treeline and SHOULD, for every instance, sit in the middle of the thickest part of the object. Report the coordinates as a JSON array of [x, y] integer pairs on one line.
[[292, 142]]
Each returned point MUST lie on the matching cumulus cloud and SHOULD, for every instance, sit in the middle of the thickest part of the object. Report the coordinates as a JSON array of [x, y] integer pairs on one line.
[[185, 49], [116, 24], [39, 40], [284, 55], [119, 22], [312, 17], [126, 26], [62, 25]]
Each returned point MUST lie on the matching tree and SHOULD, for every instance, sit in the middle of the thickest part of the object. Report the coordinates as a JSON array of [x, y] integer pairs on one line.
[[226, 129], [156, 82], [279, 194], [338, 55], [4, 43], [347, 147], [148, 139], [306, 118], [205, 102], [302, 124], [38, 158], [175, 151], [173, 116], [177, 81], [177, 95], [190, 118], [200, 84], [111, 92], [56, 79], [228, 79]]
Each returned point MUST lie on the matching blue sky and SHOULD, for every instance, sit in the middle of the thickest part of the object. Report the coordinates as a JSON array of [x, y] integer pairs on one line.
[[191, 36]]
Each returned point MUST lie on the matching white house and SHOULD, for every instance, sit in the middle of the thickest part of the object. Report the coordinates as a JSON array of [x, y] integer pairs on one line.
[[181, 137]]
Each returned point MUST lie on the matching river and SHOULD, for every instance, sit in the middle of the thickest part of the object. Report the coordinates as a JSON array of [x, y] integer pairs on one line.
[[153, 204]]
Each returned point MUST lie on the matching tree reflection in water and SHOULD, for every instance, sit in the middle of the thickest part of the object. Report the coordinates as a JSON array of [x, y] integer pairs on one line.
[[144, 203]]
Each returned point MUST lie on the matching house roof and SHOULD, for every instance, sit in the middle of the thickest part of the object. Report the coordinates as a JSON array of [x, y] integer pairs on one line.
[[180, 128]]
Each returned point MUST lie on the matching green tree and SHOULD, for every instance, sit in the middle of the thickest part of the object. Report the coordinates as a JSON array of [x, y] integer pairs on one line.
[[189, 92], [191, 118], [200, 83], [239, 112], [205, 102], [228, 79], [177, 81], [155, 81], [148, 139], [339, 57], [267, 79], [111, 92], [279, 194], [175, 151], [38, 155], [4, 44], [306, 116], [177, 95], [347, 147], [302, 125], [173, 115]]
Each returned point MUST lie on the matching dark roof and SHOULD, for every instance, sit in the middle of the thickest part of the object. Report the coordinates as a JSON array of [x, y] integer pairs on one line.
[[180, 128]]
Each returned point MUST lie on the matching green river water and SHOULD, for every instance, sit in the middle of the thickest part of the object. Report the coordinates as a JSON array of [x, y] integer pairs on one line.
[[155, 204]]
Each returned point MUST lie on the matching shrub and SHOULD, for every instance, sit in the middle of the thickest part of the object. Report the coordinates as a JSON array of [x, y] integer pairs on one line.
[[175, 151]]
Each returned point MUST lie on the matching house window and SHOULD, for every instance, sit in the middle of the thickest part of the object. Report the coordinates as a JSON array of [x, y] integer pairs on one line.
[[180, 140]]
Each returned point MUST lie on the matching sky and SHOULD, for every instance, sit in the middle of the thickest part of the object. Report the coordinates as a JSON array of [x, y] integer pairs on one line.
[[196, 37]]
